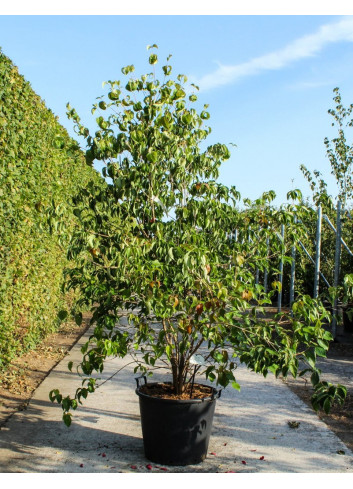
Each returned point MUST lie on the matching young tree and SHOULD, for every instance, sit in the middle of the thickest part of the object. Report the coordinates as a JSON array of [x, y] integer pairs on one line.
[[340, 155], [154, 241]]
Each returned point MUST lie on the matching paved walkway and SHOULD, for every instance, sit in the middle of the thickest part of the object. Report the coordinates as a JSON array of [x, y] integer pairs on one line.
[[250, 430]]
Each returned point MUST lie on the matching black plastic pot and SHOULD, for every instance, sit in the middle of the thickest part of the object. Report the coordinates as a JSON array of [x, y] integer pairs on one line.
[[176, 432]]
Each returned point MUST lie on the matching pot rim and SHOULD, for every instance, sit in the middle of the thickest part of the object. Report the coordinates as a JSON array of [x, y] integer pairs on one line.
[[215, 395]]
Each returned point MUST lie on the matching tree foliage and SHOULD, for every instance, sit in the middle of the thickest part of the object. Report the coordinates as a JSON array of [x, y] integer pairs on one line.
[[153, 247], [340, 155]]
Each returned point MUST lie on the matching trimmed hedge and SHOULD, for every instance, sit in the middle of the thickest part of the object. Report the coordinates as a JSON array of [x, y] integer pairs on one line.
[[41, 167]]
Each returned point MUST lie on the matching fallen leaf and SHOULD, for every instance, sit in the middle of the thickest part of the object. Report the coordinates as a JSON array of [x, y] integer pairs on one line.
[[243, 462], [253, 450], [262, 458], [163, 468], [293, 424], [149, 467], [341, 452], [224, 444]]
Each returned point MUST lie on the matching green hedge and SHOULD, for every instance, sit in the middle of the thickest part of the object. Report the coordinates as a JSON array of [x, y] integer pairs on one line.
[[41, 167]]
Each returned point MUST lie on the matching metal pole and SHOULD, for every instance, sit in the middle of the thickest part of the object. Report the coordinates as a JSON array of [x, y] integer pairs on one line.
[[279, 304], [337, 267], [317, 252], [292, 274], [313, 262], [266, 270], [257, 276], [335, 231]]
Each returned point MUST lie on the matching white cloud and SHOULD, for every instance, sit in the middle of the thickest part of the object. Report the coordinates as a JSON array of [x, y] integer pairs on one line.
[[304, 85], [304, 47]]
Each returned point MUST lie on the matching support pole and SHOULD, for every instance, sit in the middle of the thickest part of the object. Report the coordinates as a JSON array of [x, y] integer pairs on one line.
[[266, 269], [337, 267], [292, 274], [313, 262], [279, 303], [335, 231], [317, 252], [257, 271]]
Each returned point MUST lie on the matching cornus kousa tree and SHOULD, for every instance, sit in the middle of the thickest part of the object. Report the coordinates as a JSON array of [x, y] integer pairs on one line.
[[153, 258]]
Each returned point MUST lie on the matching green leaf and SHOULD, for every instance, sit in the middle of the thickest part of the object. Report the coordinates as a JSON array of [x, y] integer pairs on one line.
[[320, 352], [168, 350], [52, 395], [67, 419], [62, 315], [128, 69], [236, 386], [327, 405], [152, 156], [315, 378], [153, 59], [78, 318]]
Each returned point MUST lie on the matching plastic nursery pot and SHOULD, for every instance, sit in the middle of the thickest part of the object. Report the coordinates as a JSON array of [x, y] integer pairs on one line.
[[176, 432]]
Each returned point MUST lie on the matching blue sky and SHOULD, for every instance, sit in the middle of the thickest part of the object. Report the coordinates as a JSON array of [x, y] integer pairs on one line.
[[268, 80]]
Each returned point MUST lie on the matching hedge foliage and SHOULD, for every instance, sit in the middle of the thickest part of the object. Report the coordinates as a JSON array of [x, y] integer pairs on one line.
[[41, 167]]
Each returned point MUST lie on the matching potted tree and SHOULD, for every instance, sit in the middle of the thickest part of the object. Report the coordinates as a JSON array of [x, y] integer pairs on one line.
[[153, 244]]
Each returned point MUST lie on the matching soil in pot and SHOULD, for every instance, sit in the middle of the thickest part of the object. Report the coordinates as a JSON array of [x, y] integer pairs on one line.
[[176, 431]]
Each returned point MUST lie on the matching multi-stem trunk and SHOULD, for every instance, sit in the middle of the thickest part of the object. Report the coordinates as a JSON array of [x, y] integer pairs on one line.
[[178, 372]]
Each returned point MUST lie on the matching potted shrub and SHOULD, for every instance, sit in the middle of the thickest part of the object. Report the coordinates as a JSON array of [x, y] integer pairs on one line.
[[154, 241]]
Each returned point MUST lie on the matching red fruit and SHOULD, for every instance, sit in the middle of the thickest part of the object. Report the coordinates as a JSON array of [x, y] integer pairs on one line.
[[243, 462], [261, 458], [149, 467], [104, 455], [212, 453], [163, 468], [199, 309], [81, 465], [133, 467]]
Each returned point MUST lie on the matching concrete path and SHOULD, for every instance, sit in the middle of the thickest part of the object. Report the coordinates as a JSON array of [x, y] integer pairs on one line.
[[250, 430]]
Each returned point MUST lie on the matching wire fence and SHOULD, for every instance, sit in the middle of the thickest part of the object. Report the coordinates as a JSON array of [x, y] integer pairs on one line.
[[319, 277]]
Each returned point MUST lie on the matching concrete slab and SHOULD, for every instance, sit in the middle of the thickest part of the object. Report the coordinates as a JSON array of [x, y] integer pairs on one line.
[[250, 431]]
